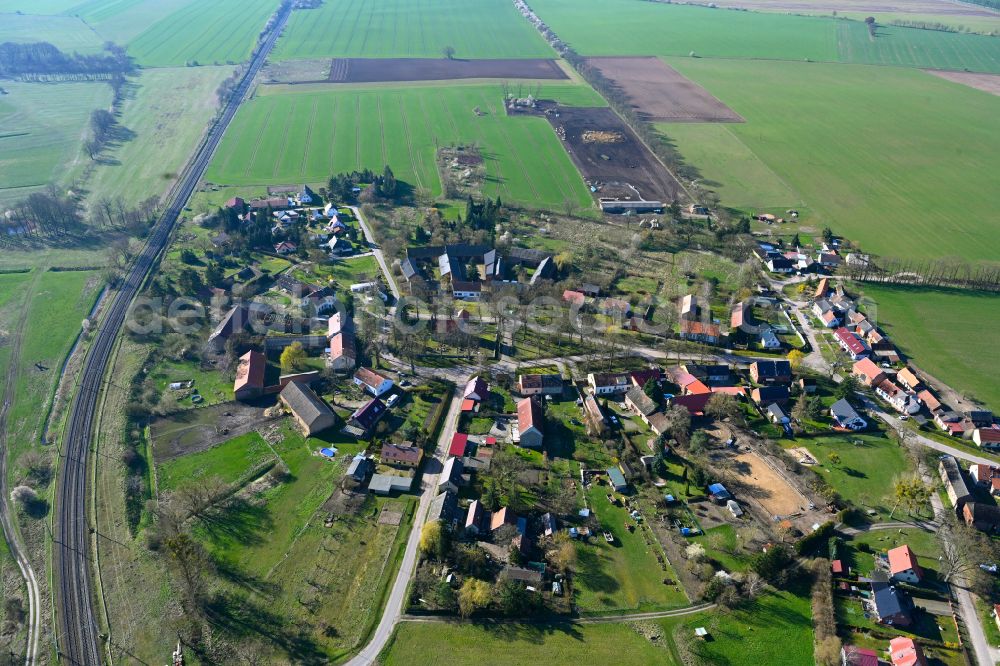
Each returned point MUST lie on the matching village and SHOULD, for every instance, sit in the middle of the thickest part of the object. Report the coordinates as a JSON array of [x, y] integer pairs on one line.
[[690, 477]]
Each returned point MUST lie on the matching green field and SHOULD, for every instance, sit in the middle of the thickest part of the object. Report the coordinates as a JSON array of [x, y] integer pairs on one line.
[[631, 27], [943, 331], [410, 28], [121, 21], [231, 461], [865, 472], [42, 127], [890, 158], [748, 635], [729, 167], [206, 33], [166, 115], [306, 137], [623, 576], [67, 33]]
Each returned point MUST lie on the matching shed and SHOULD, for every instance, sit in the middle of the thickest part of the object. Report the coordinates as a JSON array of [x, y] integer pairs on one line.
[[617, 479]]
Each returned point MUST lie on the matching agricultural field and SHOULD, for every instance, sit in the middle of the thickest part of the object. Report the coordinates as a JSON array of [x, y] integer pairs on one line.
[[729, 167], [43, 128], [410, 28], [961, 16], [166, 114], [206, 33], [121, 21], [870, 149], [629, 27], [306, 137], [948, 347], [67, 33]]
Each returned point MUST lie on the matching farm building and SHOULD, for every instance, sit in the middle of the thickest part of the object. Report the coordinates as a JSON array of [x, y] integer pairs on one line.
[[307, 409], [954, 482], [530, 423], [618, 207], [617, 479], [385, 484], [372, 381], [401, 456], [249, 383], [771, 372], [534, 384]]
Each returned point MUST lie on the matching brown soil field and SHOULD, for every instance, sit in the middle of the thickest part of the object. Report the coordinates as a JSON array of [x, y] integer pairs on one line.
[[375, 70], [620, 169], [986, 82], [200, 429], [660, 93], [776, 495]]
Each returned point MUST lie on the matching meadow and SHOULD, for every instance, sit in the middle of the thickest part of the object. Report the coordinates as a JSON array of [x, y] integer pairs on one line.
[[410, 28], [43, 127], [306, 137], [629, 27], [165, 113], [218, 32], [230, 461], [893, 159], [864, 473], [944, 331], [729, 167], [744, 636]]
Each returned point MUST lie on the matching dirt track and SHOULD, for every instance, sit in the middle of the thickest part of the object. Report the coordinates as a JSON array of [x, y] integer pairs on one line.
[[660, 93], [612, 167], [375, 70]]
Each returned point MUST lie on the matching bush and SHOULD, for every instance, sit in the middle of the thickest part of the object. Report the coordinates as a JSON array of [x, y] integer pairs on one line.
[[811, 542]]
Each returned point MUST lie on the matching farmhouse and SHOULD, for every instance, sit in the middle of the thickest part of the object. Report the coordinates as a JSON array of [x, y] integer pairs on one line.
[[771, 372], [850, 343], [767, 395], [547, 384], [846, 416], [366, 416], [697, 331], [904, 652], [372, 381], [903, 565], [888, 604], [398, 455], [603, 383], [234, 321], [307, 409], [451, 475], [988, 438], [530, 423], [249, 382], [869, 373]]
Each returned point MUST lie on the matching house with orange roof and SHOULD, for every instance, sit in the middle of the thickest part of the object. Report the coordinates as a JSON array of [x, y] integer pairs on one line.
[[530, 423], [903, 565], [249, 382], [868, 372], [904, 652]]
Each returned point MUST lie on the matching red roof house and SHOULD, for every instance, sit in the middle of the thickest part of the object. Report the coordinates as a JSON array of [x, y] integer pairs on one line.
[[903, 565], [249, 382], [459, 442], [904, 652]]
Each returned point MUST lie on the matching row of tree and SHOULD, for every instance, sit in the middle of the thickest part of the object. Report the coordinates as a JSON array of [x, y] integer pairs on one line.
[[42, 58], [953, 272]]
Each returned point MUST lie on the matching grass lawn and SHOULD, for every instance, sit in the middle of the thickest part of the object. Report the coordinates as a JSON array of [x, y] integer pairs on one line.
[[871, 149], [947, 347], [43, 126], [624, 576], [924, 544], [751, 635], [166, 114], [206, 33], [625, 27], [726, 536], [864, 474], [231, 461], [416, 643], [850, 617], [213, 386], [307, 136], [410, 28]]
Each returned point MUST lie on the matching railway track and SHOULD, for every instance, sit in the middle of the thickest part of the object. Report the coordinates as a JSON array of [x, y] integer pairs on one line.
[[77, 628]]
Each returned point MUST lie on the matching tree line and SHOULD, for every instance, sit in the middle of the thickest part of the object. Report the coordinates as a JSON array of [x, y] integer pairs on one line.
[[952, 272], [43, 59]]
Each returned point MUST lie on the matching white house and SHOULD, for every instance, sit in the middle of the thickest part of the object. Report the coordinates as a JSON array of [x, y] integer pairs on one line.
[[604, 383], [768, 340], [372, 382]]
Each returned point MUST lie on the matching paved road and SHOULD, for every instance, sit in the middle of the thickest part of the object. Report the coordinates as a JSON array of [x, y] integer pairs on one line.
[[376, 250], [396, 602], [77, 628], [11, 536]]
